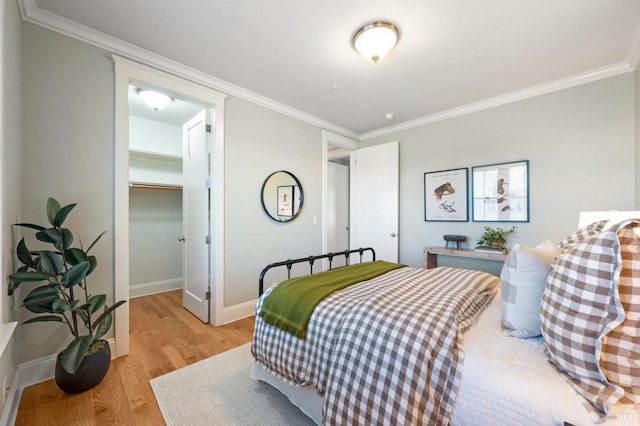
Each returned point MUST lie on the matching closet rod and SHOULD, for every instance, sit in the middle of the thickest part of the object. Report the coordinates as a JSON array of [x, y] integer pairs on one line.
[[155, 186]]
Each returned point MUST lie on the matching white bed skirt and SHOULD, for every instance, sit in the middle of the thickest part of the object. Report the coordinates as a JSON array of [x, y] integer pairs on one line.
[[304, 397]]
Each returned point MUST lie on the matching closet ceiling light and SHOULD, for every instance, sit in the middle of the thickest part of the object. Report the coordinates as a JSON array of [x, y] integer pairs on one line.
[[375, 40], [155, 100]]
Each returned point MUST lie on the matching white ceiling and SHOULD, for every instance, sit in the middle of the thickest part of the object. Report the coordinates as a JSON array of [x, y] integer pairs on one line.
[[453, 55]]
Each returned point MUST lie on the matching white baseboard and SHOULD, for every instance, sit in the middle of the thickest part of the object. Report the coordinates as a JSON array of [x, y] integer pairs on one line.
[[10, 411], [238, 312], [27, 374], [154, 287]]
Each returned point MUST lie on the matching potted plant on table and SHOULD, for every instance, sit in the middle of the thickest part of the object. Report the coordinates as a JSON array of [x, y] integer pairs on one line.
[[494, 239], [64, 297]]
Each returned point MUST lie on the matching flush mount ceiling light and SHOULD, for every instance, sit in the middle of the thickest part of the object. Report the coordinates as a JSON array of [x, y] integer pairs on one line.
[[375, 40], [154, 100]]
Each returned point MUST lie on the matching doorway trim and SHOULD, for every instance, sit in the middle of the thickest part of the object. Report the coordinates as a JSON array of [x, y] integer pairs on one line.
[[340, 146], [126, 73]]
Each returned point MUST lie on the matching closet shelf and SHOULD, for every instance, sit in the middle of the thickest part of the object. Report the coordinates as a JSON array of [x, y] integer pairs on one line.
[[144, 185], [140, 154]]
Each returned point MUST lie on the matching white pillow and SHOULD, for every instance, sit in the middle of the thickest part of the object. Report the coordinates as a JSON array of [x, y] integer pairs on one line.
[[522, 283]]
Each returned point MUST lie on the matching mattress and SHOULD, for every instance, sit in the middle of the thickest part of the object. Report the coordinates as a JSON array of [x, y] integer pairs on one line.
[[505, 381]]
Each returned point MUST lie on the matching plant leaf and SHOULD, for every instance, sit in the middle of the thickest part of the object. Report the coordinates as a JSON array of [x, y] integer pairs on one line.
[[45, 289], [75, 274], [40, 308], [13, 286], [28, 276], [62, 215], [73, 355], [50, 263], [53, 207], [41, 299], [93, 262], [96, 240], [107, 312], [103, 326], [50, 235], [96, 302], [24, 255], [83, 315], [43, 318], [67, 239], [31, 225], [59, 306], [75, 256]]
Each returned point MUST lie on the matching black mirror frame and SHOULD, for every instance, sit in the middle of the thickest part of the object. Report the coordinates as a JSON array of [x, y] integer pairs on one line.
[[264, 207]]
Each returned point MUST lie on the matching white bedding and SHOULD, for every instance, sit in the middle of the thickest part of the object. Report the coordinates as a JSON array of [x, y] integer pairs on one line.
[[505, 381]]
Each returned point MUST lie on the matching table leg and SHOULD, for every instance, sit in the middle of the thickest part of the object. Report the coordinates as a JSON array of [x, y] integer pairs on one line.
[[432, 260]]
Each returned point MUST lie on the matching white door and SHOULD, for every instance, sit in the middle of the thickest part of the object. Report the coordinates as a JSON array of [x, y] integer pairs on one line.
[[195, 216], [375, 200], [337, 210]]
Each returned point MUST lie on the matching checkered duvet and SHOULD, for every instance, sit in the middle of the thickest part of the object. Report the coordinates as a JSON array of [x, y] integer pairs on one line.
[[385, 351]]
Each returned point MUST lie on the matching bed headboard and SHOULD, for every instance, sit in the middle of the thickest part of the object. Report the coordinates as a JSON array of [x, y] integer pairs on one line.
[[311, 259], [588, 217]]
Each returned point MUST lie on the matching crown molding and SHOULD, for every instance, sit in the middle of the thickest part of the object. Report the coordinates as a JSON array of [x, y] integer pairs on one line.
[[518, 95], [633, 55], [32, 13]]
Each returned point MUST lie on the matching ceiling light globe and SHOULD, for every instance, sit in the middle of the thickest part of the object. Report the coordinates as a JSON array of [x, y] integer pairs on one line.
[[375, 40], [155, 100]]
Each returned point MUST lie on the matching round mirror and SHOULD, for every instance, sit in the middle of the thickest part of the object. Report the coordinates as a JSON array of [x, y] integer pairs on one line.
[[282, 196]]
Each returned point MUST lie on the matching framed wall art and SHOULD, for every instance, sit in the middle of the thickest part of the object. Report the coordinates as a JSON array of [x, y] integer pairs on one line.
[[446, 195], [501, 192], [285, 201]]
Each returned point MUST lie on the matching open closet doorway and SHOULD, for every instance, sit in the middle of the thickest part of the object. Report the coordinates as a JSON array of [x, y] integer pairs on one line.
[[210, 103], [168, 147]]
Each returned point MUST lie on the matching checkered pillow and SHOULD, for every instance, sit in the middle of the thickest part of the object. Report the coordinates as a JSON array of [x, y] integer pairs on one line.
[[588, 316], [583, 234], [620, 360]]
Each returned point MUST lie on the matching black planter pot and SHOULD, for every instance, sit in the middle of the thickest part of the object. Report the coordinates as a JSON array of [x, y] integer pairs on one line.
[[91, 372]]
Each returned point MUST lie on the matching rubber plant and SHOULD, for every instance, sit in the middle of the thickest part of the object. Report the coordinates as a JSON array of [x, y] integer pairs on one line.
[[64, 295]]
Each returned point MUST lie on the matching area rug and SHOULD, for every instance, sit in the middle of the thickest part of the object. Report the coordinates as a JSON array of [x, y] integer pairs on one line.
[[219, 391]]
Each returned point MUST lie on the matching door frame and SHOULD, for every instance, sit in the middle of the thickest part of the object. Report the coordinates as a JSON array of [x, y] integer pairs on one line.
[[126, 73], [343, 148]]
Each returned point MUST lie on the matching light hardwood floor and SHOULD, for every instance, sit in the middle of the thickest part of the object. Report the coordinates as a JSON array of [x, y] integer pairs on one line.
[[163, 337]]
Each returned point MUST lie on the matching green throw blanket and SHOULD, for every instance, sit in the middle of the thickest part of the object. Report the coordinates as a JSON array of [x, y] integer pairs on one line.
[[290, 303]]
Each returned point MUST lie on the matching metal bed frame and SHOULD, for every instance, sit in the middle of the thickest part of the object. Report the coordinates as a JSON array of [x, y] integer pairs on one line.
[[311, 259]]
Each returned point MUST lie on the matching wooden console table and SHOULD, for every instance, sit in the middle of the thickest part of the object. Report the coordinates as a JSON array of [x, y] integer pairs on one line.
[[431, 255]]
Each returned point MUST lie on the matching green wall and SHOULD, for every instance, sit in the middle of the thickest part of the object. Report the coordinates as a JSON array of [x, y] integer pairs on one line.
[[68, 89], [580, 143], [259, 142], [10, 144]]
